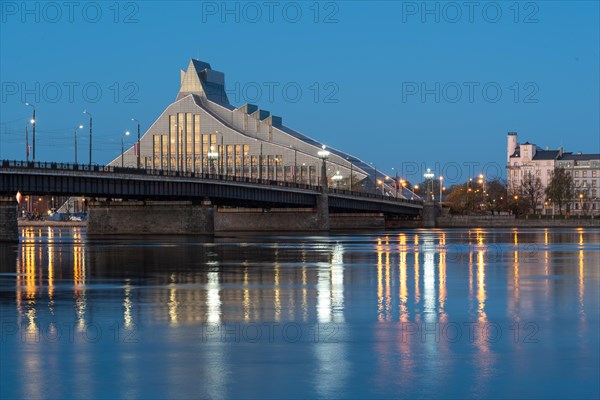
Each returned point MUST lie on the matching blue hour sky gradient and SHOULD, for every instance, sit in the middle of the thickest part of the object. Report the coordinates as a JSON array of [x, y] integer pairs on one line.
[[395, 83]]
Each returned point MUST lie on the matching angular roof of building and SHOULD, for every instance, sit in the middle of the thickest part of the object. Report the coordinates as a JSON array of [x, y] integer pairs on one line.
[[546, 154]]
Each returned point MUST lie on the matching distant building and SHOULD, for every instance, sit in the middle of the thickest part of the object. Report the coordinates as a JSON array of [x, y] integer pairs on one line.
[[526, 158], [202, 132]]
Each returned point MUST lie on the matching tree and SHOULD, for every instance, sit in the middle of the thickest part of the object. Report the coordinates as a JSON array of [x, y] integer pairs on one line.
[[560, 190], [495, 199], [457, 199], [532, 190]]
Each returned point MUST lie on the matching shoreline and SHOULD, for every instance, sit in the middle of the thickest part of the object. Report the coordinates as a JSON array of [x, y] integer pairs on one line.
[[442, 223], [52, 224]]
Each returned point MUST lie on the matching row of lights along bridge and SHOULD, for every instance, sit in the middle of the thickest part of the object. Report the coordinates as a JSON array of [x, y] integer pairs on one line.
[[33, 123]]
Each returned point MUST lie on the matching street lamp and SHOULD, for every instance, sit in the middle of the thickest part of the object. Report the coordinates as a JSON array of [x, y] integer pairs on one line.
[[396, 182], [123, 148], [212, 156], [27, 139], [33, 123], [337, 178], [75, 134], [429, 178], [88, 113], [138, 143], [441, 180], [323, 155]]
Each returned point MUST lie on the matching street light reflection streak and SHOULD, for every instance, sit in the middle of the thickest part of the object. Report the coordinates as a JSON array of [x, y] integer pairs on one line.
[[213, 298], [79, 279], [277, 290], [51, 270], [173, 304], [246, 294], [429, 280], [581, 283], [403, 295], [379, 251], [337, 283]]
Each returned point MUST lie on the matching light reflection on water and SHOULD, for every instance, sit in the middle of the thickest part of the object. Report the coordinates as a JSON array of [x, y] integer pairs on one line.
[[423, 313]]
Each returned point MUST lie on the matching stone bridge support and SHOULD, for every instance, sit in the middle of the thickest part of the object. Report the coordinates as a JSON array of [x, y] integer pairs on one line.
[[149, 217], [431, 211], [9, 231]]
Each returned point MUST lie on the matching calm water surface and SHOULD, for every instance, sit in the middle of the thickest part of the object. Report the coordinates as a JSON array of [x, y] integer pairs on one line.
[[420, 313]]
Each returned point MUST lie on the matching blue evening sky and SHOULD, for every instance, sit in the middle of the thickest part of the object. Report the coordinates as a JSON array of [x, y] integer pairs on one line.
[[391, 82]]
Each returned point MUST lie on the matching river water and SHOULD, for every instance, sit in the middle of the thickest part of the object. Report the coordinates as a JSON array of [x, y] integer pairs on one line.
[[464, 313]]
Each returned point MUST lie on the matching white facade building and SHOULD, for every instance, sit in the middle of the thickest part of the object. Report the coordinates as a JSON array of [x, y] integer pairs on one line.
[[526, 158]]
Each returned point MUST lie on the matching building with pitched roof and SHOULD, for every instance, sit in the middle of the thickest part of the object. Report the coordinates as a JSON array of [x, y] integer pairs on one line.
[[202, 132], [527, 158]]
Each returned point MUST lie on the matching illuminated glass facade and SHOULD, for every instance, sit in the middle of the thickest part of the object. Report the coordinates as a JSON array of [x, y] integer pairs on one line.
[[245, 141]]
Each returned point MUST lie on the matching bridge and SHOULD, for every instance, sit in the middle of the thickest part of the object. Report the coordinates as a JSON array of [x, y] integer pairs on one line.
[[146, 191]]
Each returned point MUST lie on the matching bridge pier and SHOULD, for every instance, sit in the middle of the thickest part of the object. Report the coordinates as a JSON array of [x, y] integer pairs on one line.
[[323, 212], [149, 217], [430, 213], [9, 231]]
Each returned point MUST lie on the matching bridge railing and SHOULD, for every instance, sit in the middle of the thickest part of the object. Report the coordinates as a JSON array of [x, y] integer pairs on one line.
[[56, 166]]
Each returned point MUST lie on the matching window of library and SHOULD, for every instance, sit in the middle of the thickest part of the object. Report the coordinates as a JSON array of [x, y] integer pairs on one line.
[[584, 174]]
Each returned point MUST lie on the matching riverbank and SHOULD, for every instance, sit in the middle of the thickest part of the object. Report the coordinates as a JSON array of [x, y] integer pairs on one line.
[[53, 224], [509, 221]]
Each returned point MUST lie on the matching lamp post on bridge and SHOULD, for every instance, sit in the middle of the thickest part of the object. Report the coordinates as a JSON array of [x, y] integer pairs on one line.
[[212, 156], [323, 155], [260, 162], [123, 148], [75, 135], [27, 139], [33, 123], [429, 182], [88, 113], [139, 152], [337, 178]]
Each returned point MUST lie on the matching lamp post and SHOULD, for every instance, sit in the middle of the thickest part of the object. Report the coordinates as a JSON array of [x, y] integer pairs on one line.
[[27, 141], [323, 155], [212, 156], [396, 182], [33, 123], [351, 166], [123, 148], [75, 135], [139, 161], [295, 164], [429, 185], [441, 181], [337, 178], [88, 113], [260, 162], [482, 182]]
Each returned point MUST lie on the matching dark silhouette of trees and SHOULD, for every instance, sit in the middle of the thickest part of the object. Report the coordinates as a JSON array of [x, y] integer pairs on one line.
[[560, 190]]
